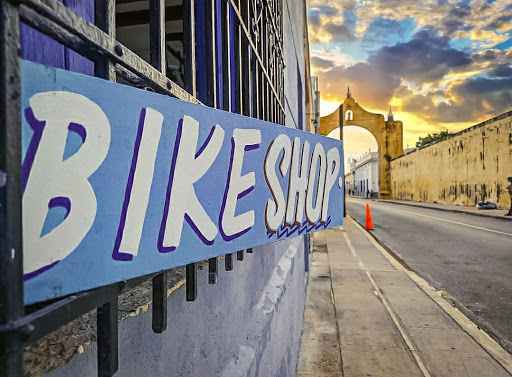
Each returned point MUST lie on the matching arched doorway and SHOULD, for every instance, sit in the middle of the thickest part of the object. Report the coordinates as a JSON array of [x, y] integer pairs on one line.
[[388, 133]]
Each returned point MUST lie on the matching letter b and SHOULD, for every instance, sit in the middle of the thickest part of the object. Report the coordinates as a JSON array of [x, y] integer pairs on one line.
[[54, 181]]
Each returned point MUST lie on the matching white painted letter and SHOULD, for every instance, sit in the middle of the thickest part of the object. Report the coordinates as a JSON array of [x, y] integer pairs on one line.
[[183, 202], [238, 186], [276, 207], [333, 157], [139, 184], [63, 183], [313, 210], [297, 185]]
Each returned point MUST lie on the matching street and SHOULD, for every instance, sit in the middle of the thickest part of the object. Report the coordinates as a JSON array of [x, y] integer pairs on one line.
[[470, 257]]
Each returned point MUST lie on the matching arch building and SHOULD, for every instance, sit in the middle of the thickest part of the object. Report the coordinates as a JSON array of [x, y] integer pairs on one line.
[[388, 133]]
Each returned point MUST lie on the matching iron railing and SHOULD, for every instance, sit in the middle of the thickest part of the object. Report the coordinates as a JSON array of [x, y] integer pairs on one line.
[[233, 59]]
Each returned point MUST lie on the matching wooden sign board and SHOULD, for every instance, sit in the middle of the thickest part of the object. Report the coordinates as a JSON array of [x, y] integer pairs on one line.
[[120, 182]]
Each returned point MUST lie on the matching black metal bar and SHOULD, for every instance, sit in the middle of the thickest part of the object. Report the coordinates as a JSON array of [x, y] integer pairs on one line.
[[246, 65], [281, 89], [211, 64], [276, 28], [141, 17], [263, 50], [254, 86], [307, 248], [228, 262], [189, 43], [240, 255], [157, 46], [108, 357], [43, 321], [55, 20], [212, 270], [259, 61], [226, 52], [11, 252], [237, 51], [341, 138], [159, 316], [156, 34], [107, 325], [191, 282], [105, 20]]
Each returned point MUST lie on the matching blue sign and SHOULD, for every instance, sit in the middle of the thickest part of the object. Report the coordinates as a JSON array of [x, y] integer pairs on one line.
[[119, 182]]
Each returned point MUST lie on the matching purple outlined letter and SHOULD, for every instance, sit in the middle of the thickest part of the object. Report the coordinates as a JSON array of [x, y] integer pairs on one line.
[[69, 186], [238, 185], [187, 168], [138, 188]]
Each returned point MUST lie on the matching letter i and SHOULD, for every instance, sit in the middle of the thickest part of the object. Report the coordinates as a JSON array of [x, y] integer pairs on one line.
[[139, 185]]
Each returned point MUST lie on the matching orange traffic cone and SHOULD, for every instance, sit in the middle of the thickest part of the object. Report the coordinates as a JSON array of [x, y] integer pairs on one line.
[[369, 220]]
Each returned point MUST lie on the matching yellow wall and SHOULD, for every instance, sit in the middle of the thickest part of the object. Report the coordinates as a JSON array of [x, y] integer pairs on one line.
[[470, 167]]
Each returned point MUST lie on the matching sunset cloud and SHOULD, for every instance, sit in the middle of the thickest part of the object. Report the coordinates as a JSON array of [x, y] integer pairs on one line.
[[439, 63]]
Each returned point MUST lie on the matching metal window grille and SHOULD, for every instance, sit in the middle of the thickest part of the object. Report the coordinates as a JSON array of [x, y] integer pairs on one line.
[[238, 46]]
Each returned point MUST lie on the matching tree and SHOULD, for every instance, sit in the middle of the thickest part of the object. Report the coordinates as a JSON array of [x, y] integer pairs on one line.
[[433, 138]]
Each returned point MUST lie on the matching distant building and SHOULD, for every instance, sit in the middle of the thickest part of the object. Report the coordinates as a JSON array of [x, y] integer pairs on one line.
[[364, 180], [349, 183]]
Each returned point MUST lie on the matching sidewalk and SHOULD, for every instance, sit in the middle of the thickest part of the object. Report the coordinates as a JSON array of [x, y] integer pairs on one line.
[[495, 213], [366, 315]]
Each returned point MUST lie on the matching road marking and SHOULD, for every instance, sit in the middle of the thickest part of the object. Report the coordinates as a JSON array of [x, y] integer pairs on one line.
[[458, 223], [390, 311], [455, 222]]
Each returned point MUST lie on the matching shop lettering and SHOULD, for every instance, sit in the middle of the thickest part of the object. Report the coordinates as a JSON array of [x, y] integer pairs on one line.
[[309, 173]]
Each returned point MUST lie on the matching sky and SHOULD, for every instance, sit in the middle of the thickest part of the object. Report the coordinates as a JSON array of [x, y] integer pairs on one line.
[[439, 64]]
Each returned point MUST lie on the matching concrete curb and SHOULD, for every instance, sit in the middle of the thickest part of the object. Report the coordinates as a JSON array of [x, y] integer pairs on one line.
[[486, 341], [412, 204]]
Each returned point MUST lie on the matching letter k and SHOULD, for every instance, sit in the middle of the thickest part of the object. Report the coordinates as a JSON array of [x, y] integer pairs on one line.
[[186, 169]]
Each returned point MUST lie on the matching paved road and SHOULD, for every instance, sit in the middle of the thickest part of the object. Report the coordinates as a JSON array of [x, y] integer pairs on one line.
[[468, 256]]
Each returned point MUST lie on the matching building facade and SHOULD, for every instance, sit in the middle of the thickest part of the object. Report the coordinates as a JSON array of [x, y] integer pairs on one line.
[[236, 315], [364, 180]]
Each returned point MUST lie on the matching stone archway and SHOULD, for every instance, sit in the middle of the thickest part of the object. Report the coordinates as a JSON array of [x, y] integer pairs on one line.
[[388, 133]]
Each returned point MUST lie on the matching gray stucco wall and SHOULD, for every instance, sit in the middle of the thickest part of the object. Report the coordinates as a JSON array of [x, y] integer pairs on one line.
[[249, 323]]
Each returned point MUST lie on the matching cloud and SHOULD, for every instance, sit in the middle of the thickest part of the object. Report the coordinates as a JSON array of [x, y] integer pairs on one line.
[[436, 62], [367, 83], [503, 70], [384, 32], [425, 58], [320, 63], [456, 19], [488, 38], [450, 18], [485, 56], [502, 23], [332, 22], [484, 24], [470, 100], [343, 32]]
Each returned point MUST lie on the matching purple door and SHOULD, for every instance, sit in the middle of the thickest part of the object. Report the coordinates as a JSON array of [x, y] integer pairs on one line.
[[39, 48]]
